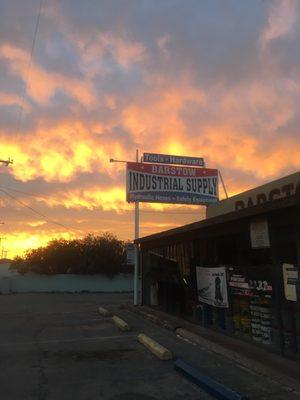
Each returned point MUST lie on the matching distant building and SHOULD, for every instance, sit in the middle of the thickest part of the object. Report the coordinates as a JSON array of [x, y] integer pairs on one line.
[[4, 269]]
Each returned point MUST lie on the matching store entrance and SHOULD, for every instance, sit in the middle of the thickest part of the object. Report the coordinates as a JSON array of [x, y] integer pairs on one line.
[[165, 285]]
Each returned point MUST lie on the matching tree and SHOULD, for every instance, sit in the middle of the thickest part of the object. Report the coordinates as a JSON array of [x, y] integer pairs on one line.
[[90, 255]]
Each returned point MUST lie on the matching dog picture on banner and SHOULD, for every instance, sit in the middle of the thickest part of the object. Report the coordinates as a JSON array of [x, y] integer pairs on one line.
[[212, 286]]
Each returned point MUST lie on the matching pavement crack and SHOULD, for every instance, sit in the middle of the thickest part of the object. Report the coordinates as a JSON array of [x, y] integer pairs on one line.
[[42, 378]]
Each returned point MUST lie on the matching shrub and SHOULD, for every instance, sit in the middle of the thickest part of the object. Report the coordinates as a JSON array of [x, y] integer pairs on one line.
[[90, 255]]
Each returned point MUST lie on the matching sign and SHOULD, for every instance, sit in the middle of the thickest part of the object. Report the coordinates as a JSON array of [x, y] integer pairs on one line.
[[212, 286], [278, 189], [167, 159], [130, 254], [153, 183], [290, 281], [243, 286], [259, 233]]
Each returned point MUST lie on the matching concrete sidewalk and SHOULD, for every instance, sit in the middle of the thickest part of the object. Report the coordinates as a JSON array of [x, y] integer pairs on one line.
[[278, 368]]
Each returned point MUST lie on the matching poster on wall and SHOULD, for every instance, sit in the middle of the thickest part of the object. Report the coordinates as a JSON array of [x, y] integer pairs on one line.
[[290, 281], [259, 233], [130, 254], [212, 286]]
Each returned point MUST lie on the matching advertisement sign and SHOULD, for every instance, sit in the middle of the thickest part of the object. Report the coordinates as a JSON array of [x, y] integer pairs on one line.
[[168, 159], [154, 183], [130, 254], [242, 285], [259, 233], [290, 281], [212, 286]]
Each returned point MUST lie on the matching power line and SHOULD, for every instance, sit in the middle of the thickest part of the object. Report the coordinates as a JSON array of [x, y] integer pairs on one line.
[[35, 211], [141, 210], [19, 122], [26, 193]]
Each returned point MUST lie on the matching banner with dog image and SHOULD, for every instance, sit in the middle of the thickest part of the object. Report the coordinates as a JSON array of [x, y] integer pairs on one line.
[[212, 286]]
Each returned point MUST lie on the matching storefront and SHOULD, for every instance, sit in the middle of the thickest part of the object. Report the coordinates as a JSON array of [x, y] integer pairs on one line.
[[236, 271]]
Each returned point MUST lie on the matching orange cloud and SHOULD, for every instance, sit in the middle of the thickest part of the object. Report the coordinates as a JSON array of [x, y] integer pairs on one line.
[[92, 198], [41, 84], [281, 20], [9, 99], [155, 91], [59, 153]]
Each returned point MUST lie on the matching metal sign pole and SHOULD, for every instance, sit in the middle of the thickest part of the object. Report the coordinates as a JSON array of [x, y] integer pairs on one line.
[[223, 184], [136, 236]]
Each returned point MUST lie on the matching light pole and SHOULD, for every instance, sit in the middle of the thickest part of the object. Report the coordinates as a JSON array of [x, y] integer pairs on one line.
[[6, 162], [136, 236], [136, 247]]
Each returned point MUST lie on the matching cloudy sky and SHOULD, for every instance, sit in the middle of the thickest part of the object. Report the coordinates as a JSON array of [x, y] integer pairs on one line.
[[212, 78]]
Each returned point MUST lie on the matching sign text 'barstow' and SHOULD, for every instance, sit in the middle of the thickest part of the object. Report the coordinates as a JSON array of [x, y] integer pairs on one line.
[[171, 184]]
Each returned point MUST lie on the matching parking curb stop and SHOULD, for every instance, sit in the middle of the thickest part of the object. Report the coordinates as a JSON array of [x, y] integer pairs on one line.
[[122, 325], [104, 312], [206, 383], [158, 350]]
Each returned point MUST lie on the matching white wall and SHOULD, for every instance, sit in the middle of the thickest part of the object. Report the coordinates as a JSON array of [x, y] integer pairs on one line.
[[11, 282]]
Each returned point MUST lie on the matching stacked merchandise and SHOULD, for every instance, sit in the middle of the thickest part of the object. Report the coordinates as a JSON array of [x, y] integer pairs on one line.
[[251, 306], [240, 305], [241, 315], [245, 316], [236, 314], [255, 319], [266, 317], [297, 318], [218, 318], [261, 319]]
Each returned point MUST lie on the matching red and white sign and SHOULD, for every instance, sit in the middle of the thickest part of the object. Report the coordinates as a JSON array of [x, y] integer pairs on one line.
[[155, 183]]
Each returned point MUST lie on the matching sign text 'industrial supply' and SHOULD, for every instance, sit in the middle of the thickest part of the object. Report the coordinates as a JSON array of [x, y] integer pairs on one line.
[[154, 183]]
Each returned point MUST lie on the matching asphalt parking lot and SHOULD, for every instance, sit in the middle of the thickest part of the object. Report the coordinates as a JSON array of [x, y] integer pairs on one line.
[[58, 347]]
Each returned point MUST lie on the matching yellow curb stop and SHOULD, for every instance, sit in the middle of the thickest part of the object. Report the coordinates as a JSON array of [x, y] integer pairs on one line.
[[122, 325], [161, 352], [104, 312]]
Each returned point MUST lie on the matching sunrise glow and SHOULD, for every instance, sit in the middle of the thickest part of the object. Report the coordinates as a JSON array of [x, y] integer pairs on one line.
[[103, 84]]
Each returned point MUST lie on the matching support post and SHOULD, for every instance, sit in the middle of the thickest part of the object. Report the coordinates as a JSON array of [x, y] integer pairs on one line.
[[136, 236], [223, 184]]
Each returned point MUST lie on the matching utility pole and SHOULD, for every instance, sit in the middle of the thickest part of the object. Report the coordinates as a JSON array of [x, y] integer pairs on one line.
[[7, 162], [2, 247], [136, 247]]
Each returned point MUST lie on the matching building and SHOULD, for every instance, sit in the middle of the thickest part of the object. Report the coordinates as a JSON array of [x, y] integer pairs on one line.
[[237, 271]]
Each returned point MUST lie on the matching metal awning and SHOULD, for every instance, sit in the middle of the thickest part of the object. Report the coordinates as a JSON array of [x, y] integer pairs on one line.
[[265, 208]]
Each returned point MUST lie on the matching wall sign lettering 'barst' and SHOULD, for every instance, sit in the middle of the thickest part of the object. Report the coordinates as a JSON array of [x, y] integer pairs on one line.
[[261, 198], [272, 191]]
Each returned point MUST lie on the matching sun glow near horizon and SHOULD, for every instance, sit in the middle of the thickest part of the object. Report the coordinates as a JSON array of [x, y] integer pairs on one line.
[[102, 84]]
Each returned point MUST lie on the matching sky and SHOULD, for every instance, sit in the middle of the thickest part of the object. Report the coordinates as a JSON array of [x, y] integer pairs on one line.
[[218, 79]]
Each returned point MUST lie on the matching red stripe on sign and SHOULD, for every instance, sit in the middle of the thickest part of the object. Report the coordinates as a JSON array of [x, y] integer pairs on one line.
[[171, 170]]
